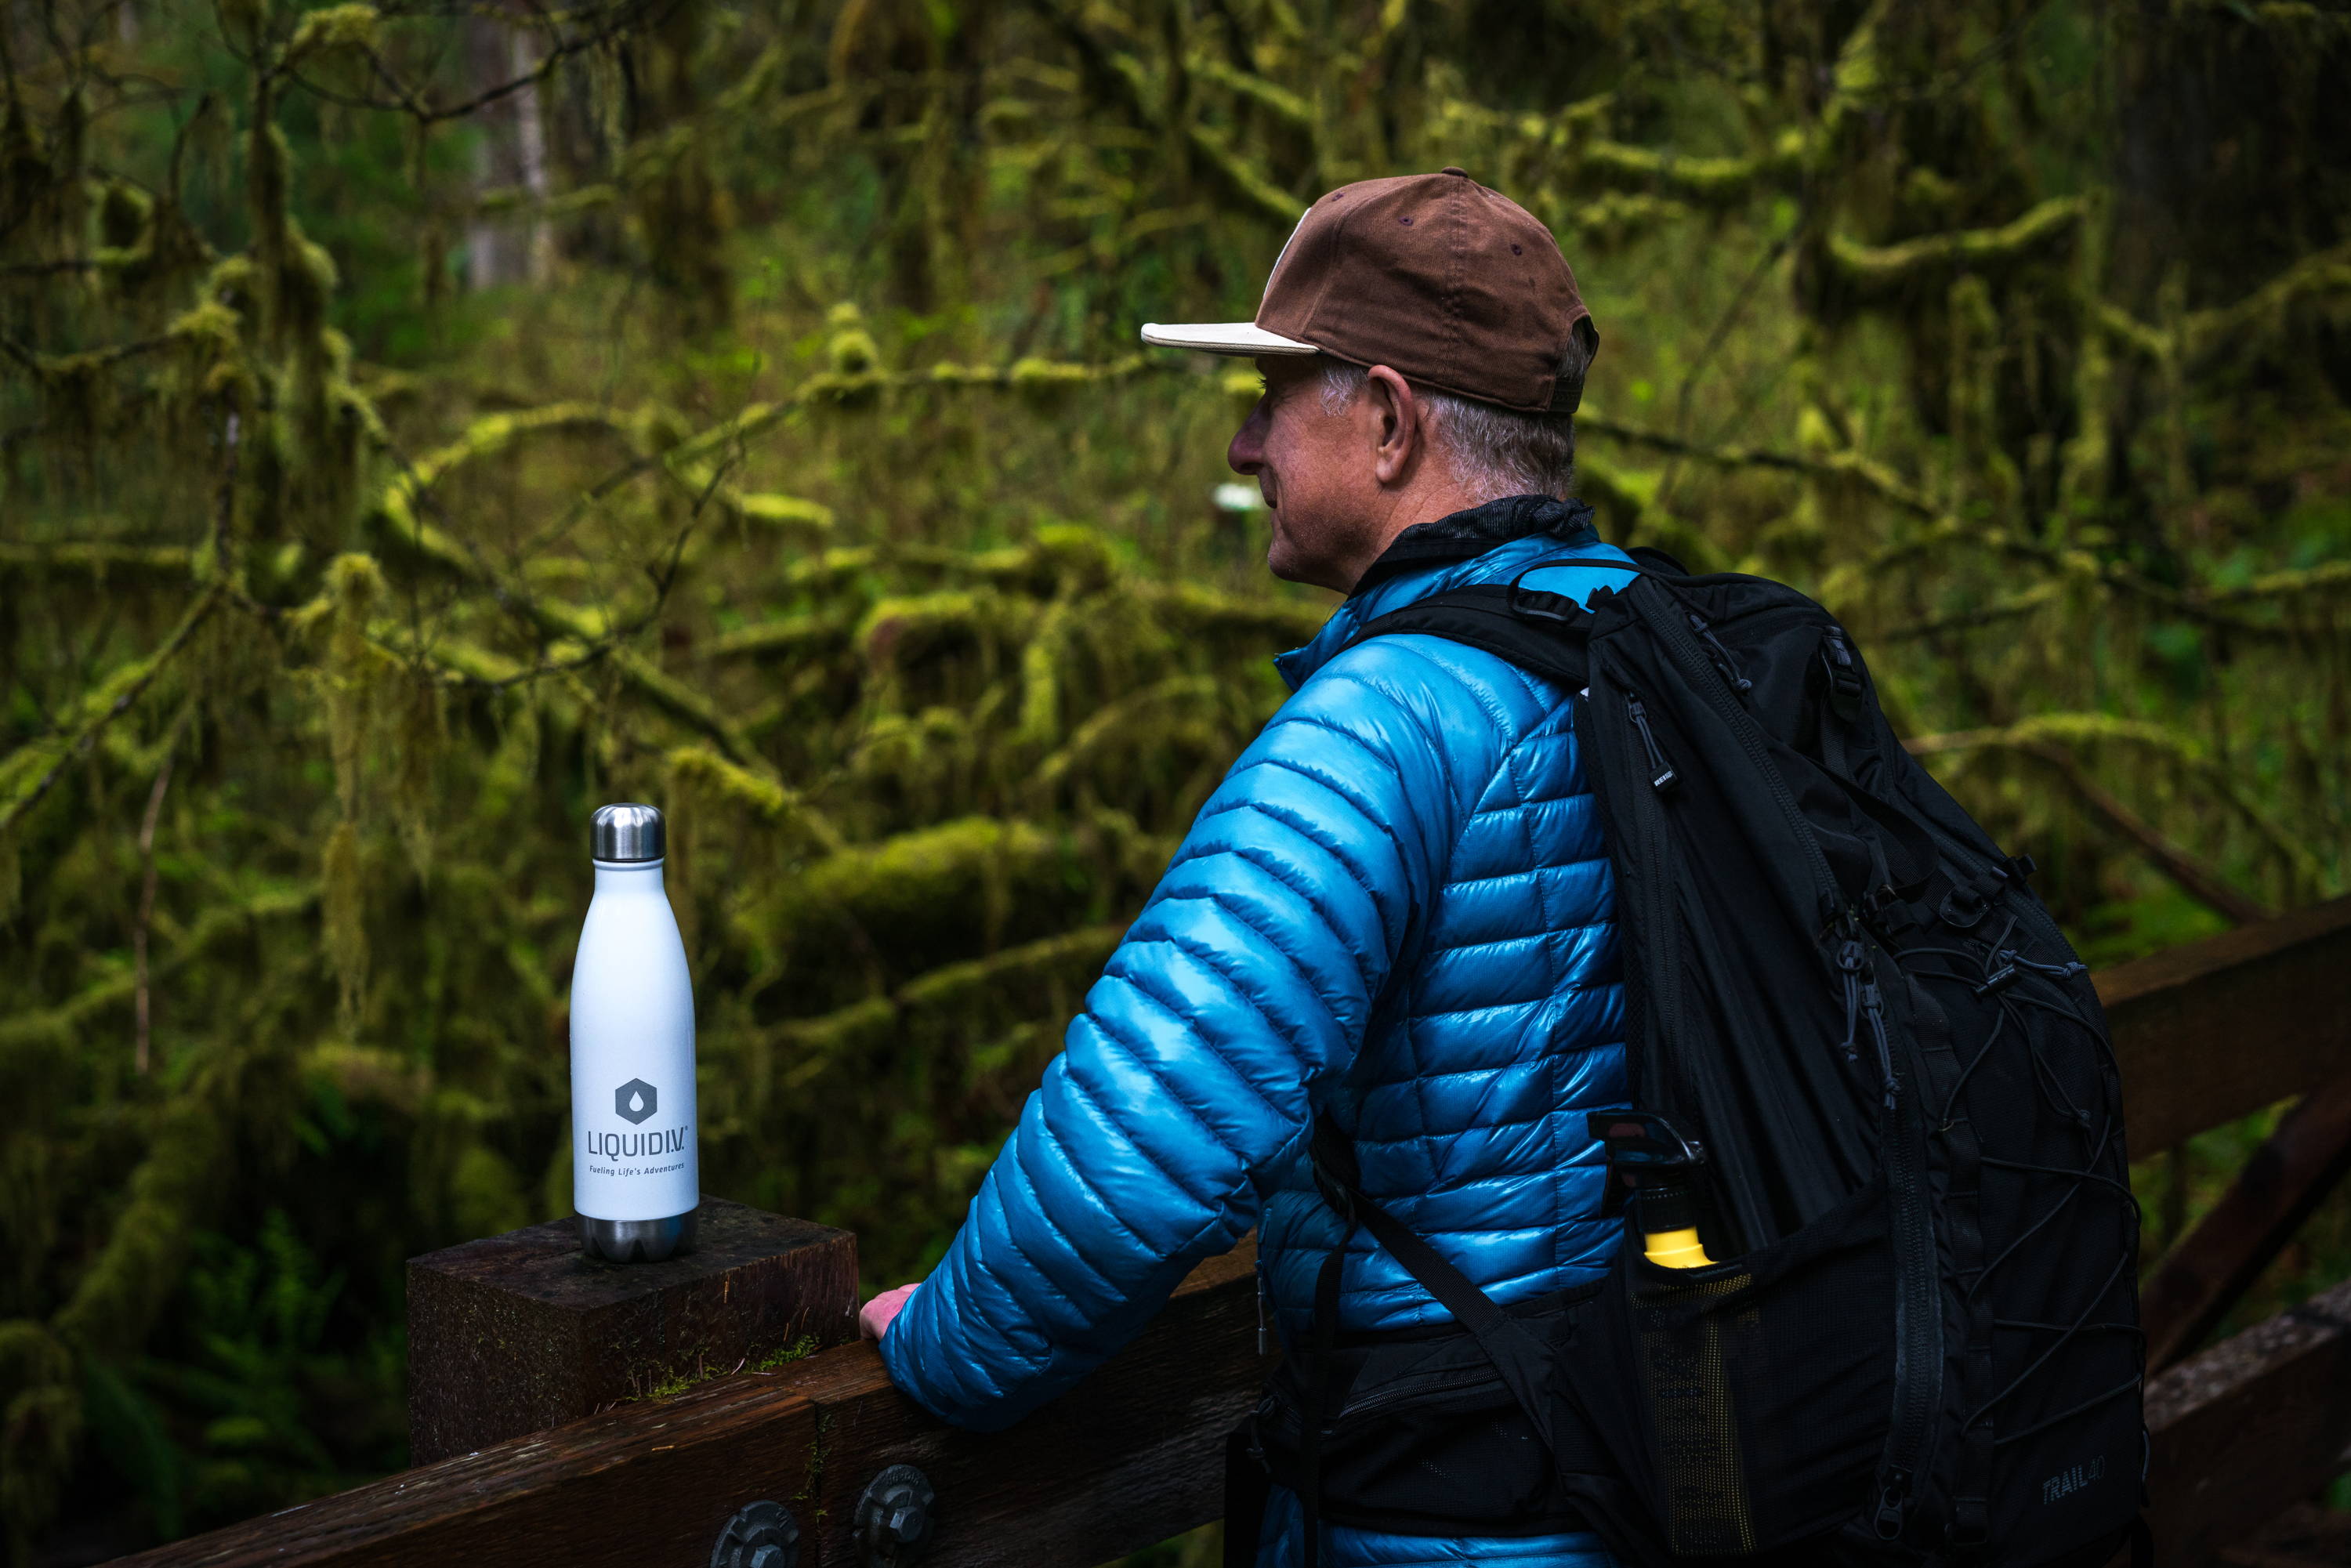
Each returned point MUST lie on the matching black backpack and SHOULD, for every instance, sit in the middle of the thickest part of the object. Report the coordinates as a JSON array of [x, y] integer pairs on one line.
[[1871, 1075]]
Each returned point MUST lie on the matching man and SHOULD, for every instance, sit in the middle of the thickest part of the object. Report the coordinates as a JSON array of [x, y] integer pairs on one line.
[[1395, 909]]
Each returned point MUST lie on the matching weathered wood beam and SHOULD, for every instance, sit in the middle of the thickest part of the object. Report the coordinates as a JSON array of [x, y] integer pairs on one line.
[[653, 1482], [2208, 1271], [2215, 1030], [519, 1333], [2249, 1427], [1132, 1456]]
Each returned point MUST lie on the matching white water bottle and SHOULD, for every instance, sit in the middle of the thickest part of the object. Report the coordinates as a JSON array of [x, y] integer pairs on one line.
[[635, 1176]]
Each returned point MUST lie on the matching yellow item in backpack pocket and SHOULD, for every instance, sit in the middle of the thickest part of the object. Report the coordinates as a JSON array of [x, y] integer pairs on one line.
[[1675, 1249]]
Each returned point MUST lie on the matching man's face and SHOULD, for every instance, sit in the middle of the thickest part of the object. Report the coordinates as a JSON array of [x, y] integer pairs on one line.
[[1314, 469]]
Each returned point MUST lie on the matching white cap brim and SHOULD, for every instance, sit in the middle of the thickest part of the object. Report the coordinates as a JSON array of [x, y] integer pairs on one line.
[[1223, 338]]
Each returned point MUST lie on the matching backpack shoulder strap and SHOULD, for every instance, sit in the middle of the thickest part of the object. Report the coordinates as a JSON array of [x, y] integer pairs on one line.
[[1542, 633], [1656, 561]]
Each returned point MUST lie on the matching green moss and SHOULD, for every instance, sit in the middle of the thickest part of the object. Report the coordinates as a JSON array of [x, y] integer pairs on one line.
[[679, 1382], [800, 1349]]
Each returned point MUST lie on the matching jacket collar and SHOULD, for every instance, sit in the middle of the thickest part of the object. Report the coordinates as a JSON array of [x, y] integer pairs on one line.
[[1464, 536], [1491, 543]]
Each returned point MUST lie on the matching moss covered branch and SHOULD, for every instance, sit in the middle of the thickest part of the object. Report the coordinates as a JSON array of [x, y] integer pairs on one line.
[[28, 773], [1878, 273], [104, 564]]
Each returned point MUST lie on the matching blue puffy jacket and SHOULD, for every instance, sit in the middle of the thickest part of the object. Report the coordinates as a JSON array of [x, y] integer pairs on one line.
[[1396, 906]]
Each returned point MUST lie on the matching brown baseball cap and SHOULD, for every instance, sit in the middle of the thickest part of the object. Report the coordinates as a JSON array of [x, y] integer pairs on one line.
[[1453, 285]]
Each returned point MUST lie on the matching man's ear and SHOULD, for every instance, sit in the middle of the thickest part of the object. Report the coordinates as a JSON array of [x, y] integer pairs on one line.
[[1397, 430]]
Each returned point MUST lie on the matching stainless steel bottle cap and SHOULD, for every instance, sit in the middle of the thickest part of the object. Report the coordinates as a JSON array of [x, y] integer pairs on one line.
[[627, 831]]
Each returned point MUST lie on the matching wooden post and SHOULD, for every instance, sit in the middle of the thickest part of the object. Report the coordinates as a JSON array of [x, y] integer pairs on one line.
[[517, 1333]]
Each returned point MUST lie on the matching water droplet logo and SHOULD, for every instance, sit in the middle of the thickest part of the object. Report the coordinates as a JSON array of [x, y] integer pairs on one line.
[[634, 1101]]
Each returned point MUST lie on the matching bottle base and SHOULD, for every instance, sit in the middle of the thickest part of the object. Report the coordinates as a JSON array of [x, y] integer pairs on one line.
[[638, 1240]]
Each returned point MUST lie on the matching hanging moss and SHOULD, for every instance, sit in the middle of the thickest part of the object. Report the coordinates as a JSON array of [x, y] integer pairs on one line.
[[342, 879]]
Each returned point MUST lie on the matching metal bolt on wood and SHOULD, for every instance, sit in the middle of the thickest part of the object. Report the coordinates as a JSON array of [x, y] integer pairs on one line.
[[760, 1535], [893, 1518]]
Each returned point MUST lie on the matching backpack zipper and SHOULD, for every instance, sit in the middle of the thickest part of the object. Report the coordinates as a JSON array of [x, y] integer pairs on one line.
[[1918, 1324], [1644, 823], [1919, 1319]]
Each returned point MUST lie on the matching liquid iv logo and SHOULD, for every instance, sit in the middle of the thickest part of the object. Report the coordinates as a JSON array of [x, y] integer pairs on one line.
[[635, 1101]]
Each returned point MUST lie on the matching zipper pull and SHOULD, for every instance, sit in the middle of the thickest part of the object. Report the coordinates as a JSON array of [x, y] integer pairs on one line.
[[1662, 776], [1873, 1005], [1893, 1503], [1739, 683], [1264, 1337], [1849, 959]]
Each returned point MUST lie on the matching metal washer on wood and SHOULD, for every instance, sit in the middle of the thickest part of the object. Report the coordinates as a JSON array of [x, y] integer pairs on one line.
[[760, 1535], [894, 1522]]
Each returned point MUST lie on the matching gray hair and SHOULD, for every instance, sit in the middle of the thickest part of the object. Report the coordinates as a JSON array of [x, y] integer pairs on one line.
[[1493, 451]]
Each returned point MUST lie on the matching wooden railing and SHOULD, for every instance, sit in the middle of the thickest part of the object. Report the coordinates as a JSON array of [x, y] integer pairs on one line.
[[2206, 1033]]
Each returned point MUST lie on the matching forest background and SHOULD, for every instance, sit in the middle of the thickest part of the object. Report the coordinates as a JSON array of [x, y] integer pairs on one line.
[[422, 423]]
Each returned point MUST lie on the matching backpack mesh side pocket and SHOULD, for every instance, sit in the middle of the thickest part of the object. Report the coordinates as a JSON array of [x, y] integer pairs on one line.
[[1758, 1387]]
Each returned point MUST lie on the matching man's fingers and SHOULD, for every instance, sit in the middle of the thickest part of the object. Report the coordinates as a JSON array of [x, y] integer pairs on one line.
[[873, 1318]]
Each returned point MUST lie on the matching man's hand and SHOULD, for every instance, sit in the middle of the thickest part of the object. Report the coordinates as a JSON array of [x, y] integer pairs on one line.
[[873, 1318]]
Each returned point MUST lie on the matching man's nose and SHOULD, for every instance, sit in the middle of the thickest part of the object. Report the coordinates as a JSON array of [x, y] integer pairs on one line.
[[1246, 453]]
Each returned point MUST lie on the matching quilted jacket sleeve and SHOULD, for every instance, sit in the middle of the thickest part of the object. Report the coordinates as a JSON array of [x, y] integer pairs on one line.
[[1191, 1078]]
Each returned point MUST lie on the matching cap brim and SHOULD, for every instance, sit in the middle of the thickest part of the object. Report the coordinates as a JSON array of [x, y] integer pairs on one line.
[[1223, 338]]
